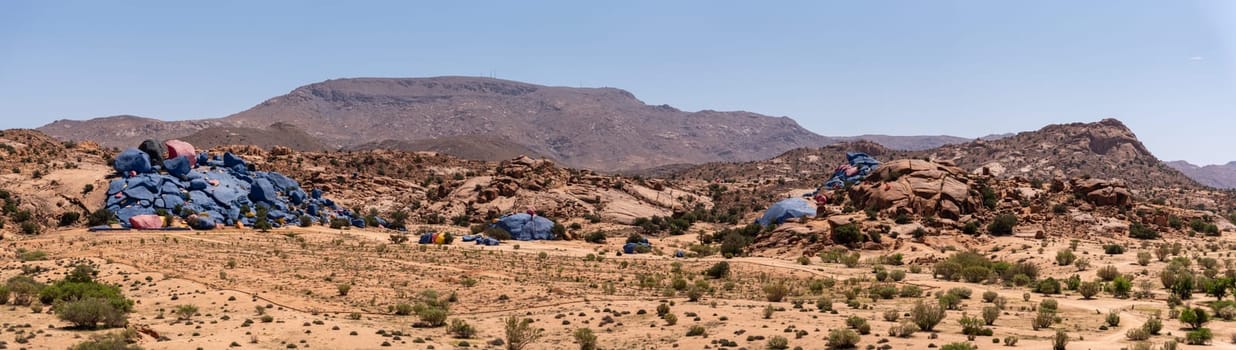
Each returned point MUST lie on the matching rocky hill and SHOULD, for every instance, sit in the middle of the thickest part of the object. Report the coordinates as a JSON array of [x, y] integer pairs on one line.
[[474, 147], [1105, 149], [1217, 176], [125, 130], [907, 143], [277, 134]]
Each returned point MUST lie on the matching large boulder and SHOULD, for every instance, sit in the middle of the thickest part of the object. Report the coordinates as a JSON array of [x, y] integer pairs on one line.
[[133, 160], [157, 151], [1104, 192], [178, 148], [918, 186]]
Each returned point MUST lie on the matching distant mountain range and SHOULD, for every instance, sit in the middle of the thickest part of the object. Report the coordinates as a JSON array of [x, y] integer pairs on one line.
[[1217, 176], [598, 128]]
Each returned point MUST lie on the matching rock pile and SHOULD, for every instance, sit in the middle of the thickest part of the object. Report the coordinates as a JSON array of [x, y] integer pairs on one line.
[[1103, 192], [920, 187], [209, 192]]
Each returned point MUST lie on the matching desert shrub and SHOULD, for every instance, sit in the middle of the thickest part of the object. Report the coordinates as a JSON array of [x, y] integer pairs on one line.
[[1200, 336], [343, 289], [972, 326], [950, 301], [90, 312], [520, 333], [108, 341], [775, 292], [905, 329], [1010, 340], [69, 218], [1003, 225], [186, 311], [670, 319], [1113, 249], [1047, 286], [697, 331], [1113, 318], [990, 296], [778, 343], [719, 270], [926, 315], [432, 309], [970, 228], [990, 314], [100, 217], [1137, 334], [663, 309], [1088, 289], [595, 237], [66, 290], [1121, 286], [974, 274], [1140, 231], [1107, 273], [1153, 326], [1194, 317], [1060, 340], [1065, 257], [1143, 258], [958, 346], [892, 315], [461, 329], [847, 234], [586, 339], [1042, 319], [843, 339]]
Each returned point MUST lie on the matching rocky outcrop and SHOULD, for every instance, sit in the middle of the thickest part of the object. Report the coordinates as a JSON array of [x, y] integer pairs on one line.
[[1104, 192], [920, 187]]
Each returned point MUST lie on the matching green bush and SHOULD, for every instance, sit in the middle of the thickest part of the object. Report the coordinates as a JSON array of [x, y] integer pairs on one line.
[[778, 343], [1194, 317], [90, 312], [586, 339], [1200, 336], [719, 270], [1139, 231], [926, 315], [432, 309], [520, 333], [109, 341], [847, 234], [69, 218], [958, 346], [461, 329], [64, 291], [1003, 225], [100, 217], [1048, 286], [597, 237], [843, 339]]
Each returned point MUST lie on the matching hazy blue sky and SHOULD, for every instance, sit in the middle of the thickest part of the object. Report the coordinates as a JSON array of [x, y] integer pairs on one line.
[[965, 68]]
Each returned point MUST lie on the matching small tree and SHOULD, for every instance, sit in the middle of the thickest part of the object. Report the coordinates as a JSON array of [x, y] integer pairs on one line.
[[520, 334], [1194, 317]]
